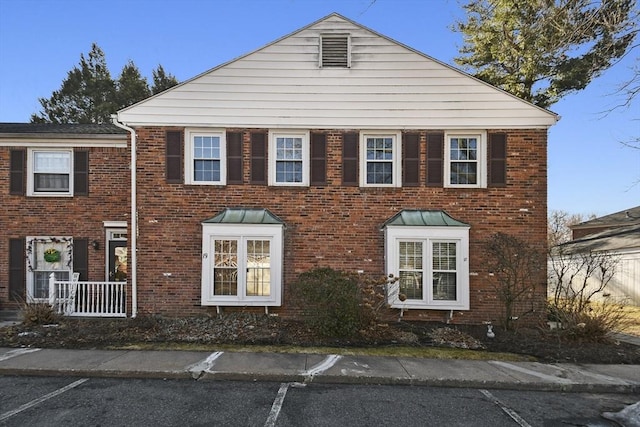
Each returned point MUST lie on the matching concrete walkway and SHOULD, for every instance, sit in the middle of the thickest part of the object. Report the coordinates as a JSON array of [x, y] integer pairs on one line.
[[321, 368]]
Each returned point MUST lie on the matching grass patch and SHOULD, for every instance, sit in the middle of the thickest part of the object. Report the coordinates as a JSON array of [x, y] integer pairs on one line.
[[416, 352]]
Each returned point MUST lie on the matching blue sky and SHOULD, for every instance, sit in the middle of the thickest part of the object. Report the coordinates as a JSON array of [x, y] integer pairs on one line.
[[590, 171]]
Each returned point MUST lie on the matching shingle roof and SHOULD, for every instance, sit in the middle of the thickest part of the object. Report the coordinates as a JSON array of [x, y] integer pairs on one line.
[[619, 219], [429, 218], [66, 129], [608, 240]]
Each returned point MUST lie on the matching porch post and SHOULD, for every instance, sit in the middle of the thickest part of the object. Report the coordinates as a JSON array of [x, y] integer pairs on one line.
[[52, 288]]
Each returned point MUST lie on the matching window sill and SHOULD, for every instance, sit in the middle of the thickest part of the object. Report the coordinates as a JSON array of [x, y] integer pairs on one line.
[[418, 305], [241, 303]]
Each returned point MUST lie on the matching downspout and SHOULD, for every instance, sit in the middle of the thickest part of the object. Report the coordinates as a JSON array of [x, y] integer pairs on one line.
[[134, 218]]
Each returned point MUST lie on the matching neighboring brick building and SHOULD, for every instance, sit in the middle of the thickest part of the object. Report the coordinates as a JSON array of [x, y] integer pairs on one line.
[[66, 188], [331, 147]]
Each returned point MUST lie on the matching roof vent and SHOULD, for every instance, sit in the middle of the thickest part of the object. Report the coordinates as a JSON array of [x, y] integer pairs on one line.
[[335, 51]]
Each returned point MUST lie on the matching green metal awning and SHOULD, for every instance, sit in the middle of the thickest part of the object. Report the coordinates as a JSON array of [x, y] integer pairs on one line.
[[426, 218], [244, 216]]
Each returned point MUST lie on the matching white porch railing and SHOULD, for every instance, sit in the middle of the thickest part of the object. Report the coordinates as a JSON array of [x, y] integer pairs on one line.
[[88, 299]]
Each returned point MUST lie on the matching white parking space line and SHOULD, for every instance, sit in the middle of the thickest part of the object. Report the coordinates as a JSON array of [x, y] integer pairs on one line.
[[277, 405], [327, 363], [513, 414], [198, 369], [17, 352], [42, 399]]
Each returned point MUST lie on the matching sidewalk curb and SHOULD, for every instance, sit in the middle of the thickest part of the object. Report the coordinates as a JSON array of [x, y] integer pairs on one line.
[[331, 379]]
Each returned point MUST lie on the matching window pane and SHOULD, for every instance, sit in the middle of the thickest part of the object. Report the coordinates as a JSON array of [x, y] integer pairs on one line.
[[288, 148], [206, 170], [444, 286], [52, 162], [225, 267], [288, 171], [41, 282], [258, 268], [411, 274], [206, 147], [444, 270], [43, 182], [464, 173], [379, 173]]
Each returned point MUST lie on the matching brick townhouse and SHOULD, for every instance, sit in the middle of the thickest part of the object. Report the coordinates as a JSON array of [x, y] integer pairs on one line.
[[334, 146]]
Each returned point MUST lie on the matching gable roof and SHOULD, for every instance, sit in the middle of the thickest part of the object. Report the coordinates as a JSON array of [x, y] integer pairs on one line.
[[615, 239], [618, 219], [388, 85]]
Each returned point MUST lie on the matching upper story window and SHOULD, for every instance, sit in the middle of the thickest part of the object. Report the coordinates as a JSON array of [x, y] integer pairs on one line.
[[465, 164], [205, 162], [50, 172], [289, 158], [380, 159], [335, 51]]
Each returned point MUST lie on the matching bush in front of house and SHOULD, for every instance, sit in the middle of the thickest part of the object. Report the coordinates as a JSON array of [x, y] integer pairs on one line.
[[580, 305], [337, 304], [39, 313]]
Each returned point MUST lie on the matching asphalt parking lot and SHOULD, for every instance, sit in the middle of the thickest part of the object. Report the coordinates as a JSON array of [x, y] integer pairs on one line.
[[73, 401]]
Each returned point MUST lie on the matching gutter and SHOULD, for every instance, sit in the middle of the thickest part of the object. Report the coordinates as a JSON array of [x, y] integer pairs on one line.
[[134, 217]]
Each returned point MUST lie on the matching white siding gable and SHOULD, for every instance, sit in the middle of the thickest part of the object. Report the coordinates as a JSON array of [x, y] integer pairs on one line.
[[387, 86]]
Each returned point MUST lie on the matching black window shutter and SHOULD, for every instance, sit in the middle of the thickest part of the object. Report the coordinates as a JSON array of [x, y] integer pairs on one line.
[[435, 159], [350, 158], [259, 158], [81, 258], [174, 157], [17, 269], [410, 159], [234, 157], [318, 159], [497, 160], [81, 173], [16, 174]]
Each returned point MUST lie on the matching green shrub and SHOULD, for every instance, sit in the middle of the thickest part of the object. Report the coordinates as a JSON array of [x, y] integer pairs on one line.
[[336, 304]]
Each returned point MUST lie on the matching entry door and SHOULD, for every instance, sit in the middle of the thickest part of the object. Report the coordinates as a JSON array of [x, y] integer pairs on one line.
[[117, 260]]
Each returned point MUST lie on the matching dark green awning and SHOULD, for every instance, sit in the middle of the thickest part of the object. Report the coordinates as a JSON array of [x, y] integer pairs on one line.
[[427, 218], [244, 216]]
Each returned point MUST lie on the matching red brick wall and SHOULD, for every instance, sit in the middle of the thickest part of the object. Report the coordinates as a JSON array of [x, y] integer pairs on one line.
[[79, 217], [331, 226]]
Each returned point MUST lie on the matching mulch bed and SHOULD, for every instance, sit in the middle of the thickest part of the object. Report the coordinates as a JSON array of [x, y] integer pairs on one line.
[[243, 329]]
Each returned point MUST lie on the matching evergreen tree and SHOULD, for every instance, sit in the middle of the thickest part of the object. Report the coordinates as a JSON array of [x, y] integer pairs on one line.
[[90, 95], [541, 50], [162, 81], [132, 87], [87, 95]]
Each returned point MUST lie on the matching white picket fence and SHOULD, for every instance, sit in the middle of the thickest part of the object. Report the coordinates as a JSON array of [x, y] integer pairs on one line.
[[88, 299]]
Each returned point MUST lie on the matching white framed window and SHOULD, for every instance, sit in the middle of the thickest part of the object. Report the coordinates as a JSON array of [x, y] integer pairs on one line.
[[432, 264], [289, 158], [242, 264], [46, 255], [466, 159], [49, 172], [380, 159], [206, 157]]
